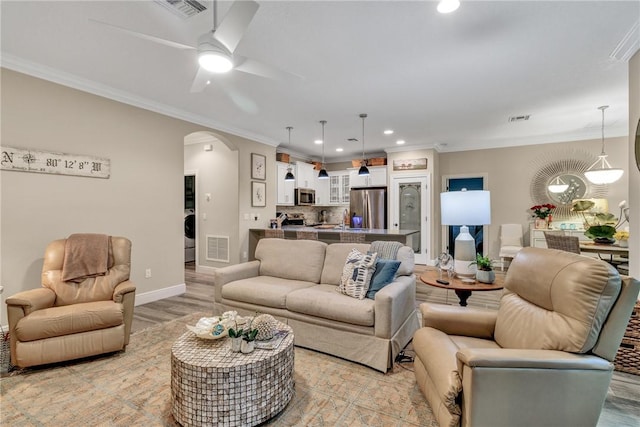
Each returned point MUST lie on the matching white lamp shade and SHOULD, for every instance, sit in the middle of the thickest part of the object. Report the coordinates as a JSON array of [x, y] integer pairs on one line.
[[465, 207]]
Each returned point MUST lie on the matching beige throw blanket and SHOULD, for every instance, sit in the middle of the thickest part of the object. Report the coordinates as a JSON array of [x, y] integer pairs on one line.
[[85, 255]]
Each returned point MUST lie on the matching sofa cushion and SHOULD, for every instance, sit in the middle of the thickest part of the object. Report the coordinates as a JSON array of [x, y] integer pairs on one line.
[[267, 291], [69, 319], [326, 302], [407, 261], [356, 274], [291, 259], [384, 274], [334, 259], [557, 302]]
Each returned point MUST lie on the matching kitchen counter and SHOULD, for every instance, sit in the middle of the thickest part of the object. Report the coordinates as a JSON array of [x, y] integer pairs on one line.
[[332, 235]]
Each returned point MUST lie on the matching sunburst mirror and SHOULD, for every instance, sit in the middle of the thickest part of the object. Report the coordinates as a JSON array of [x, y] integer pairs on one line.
[[569, 167]]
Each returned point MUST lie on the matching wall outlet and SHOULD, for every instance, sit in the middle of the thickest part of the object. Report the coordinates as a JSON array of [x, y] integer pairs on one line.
[[147, 273], [244, 255]]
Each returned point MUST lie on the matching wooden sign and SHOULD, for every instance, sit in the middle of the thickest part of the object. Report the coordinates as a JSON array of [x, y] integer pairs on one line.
[[409, 164], [25, 160]]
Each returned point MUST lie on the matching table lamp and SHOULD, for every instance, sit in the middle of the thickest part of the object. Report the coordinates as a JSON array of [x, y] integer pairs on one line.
[[465, 208]]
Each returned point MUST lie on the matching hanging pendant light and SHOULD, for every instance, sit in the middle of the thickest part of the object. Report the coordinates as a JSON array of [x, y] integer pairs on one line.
[[601, 172], [558, 185], [289, 176], [363, 171], [323, 173]]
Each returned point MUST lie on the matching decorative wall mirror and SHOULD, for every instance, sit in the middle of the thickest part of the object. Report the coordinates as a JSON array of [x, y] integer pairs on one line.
[[565, 170]]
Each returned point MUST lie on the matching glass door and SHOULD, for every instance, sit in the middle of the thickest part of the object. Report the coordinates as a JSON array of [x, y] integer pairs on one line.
[[410, 207]]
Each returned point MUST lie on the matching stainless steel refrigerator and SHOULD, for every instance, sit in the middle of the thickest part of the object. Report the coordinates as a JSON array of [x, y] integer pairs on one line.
[[369, 203]]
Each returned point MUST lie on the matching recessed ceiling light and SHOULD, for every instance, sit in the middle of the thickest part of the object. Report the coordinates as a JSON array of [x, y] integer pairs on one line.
[[400, 141], [317, 141], [448, 6], [339, 150], [388, 131]]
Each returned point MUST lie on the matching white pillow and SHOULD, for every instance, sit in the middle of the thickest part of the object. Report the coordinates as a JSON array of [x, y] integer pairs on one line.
[[356, 274]]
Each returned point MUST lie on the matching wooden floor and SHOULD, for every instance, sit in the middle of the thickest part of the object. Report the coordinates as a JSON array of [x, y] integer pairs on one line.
[[622, 407]]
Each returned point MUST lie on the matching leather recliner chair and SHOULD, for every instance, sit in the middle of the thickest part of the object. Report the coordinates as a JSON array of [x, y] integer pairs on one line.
[[543, 359], [66, 320]]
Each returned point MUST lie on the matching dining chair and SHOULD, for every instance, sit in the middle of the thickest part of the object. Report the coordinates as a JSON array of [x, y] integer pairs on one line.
[[563, 243], [510, 241]]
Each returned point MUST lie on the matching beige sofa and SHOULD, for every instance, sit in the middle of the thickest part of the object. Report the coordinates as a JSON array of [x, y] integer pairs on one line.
[[543, 359], [296, 281]]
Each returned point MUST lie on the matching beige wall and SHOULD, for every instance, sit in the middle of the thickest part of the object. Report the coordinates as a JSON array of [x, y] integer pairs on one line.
[[142, 200], [509, 172], [225, 173], [634, 175]]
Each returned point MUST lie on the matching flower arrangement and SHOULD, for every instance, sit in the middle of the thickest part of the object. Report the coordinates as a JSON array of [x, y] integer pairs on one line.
[[621, 235], [601, 225], [542, 211]]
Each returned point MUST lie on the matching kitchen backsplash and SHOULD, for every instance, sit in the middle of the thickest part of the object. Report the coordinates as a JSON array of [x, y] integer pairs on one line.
[[312, 213]]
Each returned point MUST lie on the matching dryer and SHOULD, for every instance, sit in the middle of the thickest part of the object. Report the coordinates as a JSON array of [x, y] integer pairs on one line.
[[189, 235]]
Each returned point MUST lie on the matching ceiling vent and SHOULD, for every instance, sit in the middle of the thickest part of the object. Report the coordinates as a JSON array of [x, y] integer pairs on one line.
[[183, 8], [352, 140], [522, 118]]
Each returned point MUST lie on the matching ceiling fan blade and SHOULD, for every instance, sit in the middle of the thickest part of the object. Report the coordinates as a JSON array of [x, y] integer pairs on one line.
[[201, 80], [235, 23], [258, 68], [144, 36]]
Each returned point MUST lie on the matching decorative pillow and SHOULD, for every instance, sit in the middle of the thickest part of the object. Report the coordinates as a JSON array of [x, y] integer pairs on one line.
[[356, 274], [383, 275]]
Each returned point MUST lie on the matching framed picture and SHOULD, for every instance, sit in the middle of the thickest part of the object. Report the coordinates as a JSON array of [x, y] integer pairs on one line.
[[409, 164], [258, 166], [258, 193]]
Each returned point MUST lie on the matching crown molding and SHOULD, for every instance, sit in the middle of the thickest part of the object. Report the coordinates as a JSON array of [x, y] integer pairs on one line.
[[33, 69]]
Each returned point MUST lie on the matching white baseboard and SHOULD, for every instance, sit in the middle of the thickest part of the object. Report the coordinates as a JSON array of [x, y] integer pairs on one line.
[[159, 294]]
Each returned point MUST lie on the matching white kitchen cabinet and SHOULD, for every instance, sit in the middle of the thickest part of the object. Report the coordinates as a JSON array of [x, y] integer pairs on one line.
[[537, 240], [285, 189], [339, 187], [305, 175], [322, 191], [377, 177]]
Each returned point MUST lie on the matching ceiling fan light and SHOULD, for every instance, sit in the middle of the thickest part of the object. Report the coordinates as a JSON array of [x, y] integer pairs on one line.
[[213, 56], [215, 62], [448, 6]]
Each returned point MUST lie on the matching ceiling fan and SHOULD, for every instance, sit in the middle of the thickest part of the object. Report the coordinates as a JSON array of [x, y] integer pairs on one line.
[[216, 48]]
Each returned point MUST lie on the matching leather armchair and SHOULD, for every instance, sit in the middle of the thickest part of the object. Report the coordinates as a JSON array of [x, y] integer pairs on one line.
[[543, 359], [65, 320]]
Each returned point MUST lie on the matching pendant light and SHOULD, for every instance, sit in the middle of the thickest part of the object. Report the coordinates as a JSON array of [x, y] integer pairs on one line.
[[289, 176], [558, 185], [601, 172], [323, 173], [363, 171]]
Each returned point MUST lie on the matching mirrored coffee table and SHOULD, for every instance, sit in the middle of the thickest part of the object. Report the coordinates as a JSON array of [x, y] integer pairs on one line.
[[210, 385]]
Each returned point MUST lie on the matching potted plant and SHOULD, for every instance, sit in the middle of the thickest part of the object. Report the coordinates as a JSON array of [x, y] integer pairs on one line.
[[235, 335], [484, 272], [249, 339]]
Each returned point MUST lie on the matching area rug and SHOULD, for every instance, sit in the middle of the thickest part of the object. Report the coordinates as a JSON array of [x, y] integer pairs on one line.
[[133, 388]]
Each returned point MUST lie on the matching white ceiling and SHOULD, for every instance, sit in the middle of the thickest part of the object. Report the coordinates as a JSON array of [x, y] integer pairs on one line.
[[444, 81]]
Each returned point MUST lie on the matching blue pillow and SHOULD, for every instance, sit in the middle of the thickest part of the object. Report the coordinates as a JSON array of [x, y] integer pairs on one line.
[[385, 273]]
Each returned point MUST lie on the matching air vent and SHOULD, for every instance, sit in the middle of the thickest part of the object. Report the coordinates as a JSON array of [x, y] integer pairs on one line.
[[522, 118], [352, 139], [218, 248], [183, 8]]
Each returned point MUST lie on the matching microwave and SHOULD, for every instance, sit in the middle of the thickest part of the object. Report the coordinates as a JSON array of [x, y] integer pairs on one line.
[[305, 196]]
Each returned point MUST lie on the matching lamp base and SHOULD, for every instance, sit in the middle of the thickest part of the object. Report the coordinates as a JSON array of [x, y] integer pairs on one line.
[[465, 254]]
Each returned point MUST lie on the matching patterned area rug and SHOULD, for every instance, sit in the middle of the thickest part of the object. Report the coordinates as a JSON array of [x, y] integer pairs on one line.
[[133, 388]]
